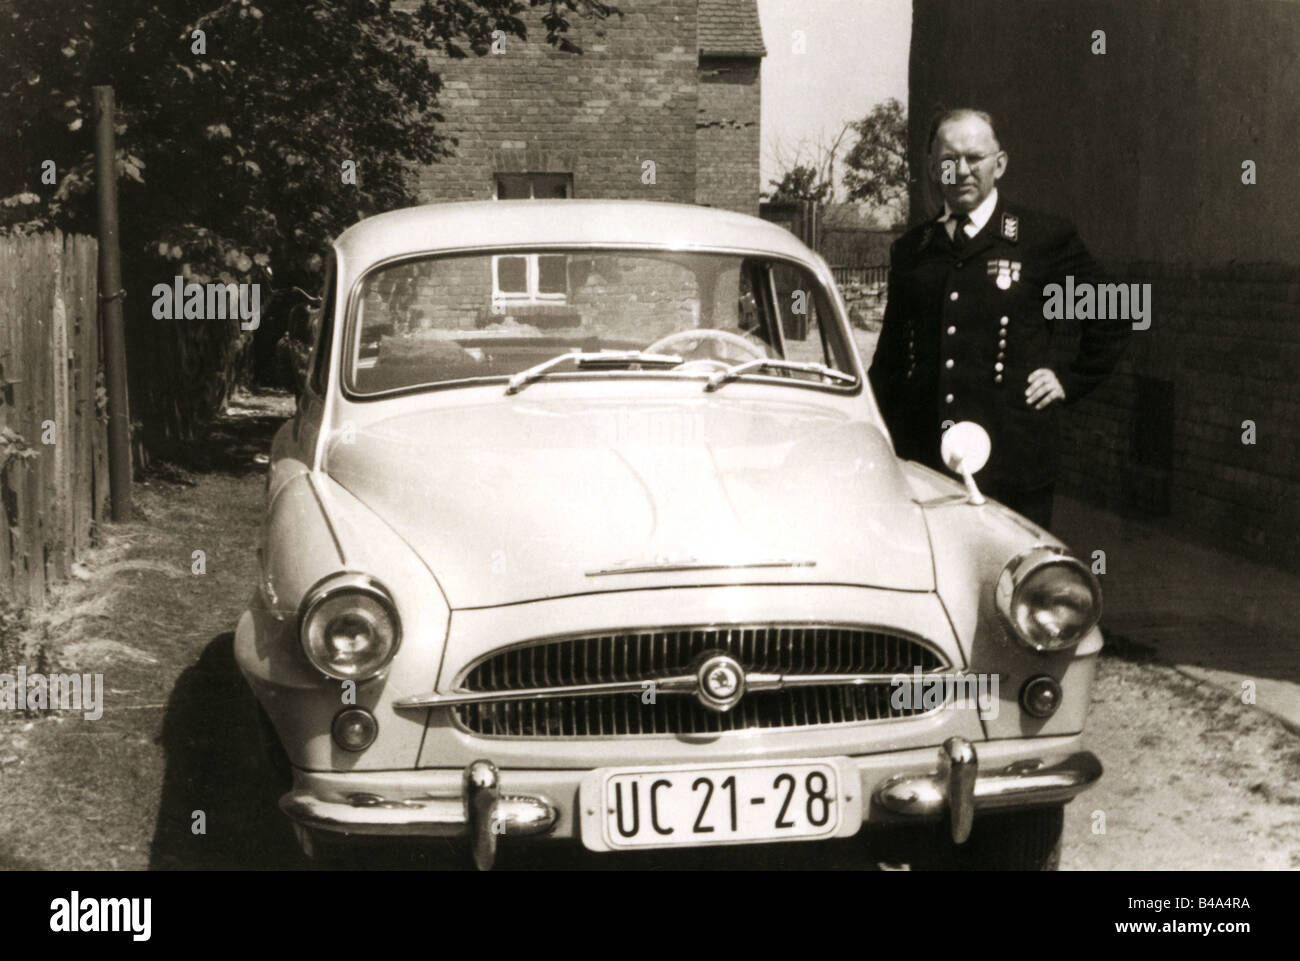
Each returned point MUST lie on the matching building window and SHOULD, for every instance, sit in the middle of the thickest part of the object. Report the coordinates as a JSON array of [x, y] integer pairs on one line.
[[529, 280], [534, 186]]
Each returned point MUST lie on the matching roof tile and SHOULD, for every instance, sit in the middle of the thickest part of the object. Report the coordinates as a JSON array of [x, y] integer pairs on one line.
[[730, 27]]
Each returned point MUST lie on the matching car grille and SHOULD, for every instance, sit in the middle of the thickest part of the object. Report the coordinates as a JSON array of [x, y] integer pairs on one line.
[[645, 655]]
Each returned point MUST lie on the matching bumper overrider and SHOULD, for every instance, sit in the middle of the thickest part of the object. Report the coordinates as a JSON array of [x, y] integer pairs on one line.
[[956, 790]]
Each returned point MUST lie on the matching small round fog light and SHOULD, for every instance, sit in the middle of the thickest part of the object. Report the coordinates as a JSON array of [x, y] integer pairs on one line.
[[1041, 696], [355, 729]]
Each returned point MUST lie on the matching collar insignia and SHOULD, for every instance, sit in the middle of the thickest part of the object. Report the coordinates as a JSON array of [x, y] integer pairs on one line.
[[1011, 227]]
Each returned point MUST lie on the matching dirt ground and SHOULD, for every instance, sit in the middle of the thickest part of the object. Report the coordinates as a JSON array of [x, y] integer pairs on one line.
[[1194, 778]]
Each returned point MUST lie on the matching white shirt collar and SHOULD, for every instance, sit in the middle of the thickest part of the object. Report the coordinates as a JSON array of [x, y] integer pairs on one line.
[[978, 217]]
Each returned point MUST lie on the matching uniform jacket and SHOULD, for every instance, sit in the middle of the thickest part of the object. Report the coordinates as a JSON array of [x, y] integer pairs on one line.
[[961, 336]]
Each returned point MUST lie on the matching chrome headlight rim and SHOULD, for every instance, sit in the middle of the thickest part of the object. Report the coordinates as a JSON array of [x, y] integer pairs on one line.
[[331, 586], [1019, 571]]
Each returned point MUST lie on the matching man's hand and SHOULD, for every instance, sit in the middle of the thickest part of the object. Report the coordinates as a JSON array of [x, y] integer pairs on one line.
[[1043, 389]]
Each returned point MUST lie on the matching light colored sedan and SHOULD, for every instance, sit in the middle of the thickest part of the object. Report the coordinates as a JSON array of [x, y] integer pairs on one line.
[[588, 529]]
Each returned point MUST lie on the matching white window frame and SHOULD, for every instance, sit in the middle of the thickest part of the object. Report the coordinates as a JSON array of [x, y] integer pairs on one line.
[[532, 296]]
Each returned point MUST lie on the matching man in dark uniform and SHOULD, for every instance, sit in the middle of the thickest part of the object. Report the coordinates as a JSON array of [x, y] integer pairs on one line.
[[964, 336]]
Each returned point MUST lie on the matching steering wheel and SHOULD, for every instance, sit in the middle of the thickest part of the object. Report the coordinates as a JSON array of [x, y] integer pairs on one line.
[[700, 334]]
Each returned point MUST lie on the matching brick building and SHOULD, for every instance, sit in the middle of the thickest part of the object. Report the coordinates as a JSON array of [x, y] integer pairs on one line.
[[663, 104], [1144, 147]]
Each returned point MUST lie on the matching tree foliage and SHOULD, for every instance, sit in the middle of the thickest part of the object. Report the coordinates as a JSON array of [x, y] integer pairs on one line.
[[876, 166], [231, 141], [800, 182]]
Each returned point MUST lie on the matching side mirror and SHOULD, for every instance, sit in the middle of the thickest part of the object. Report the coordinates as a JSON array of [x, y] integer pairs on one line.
[[965, 449]]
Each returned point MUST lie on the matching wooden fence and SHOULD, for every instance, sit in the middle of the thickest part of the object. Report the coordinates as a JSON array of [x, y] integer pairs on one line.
[[857, 254], [801, 217], [855, 246], [53, 440], [866, 276]]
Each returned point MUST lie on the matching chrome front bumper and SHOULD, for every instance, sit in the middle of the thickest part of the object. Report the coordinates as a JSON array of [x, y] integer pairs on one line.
[[959, 789], [481, 811]]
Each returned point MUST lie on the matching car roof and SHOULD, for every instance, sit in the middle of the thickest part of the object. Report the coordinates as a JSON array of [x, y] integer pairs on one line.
[[490, 223]]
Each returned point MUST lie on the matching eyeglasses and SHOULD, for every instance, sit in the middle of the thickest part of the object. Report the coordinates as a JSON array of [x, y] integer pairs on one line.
[[973, 160]]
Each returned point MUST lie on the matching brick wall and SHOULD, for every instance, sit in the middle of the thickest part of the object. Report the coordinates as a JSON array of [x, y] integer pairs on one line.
[[727, 134], [1164, 435], [631, 96]]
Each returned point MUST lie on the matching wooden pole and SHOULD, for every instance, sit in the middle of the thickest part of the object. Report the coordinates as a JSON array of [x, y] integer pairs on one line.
[[110, 295]]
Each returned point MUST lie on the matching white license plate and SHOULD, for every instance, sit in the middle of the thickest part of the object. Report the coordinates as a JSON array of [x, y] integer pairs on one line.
[[732, 804]]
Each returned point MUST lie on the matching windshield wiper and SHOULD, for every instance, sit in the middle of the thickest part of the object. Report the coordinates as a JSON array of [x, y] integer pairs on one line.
[[586, 359], [749, 366]]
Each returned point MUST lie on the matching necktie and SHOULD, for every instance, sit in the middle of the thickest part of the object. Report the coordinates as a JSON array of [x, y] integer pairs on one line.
[[959, 238]]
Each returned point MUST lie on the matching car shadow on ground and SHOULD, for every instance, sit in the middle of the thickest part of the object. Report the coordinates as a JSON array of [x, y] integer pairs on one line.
[[218, 804]]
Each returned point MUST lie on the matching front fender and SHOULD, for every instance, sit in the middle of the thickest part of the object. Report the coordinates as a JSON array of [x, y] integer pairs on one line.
[[971, 546], [314, 529]]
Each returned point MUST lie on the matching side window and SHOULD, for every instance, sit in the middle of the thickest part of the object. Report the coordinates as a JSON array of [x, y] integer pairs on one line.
[[325, 337]]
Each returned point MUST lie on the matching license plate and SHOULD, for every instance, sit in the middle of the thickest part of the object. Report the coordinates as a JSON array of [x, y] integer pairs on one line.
[[733, 804]]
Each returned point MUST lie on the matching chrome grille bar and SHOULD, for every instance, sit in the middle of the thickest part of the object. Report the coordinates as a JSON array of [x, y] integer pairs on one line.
[[591, 685], [678, 684]]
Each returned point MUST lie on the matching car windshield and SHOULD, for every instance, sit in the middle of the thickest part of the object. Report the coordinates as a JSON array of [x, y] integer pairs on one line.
[[438, 320]]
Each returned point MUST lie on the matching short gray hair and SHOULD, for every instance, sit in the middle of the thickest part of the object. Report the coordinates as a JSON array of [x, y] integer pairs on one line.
[[960, 113]]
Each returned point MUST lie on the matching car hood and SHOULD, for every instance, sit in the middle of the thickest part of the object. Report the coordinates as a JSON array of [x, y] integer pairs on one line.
[[524, 499]]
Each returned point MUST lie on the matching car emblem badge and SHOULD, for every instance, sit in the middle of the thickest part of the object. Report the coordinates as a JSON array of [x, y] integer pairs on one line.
[[720, 682]]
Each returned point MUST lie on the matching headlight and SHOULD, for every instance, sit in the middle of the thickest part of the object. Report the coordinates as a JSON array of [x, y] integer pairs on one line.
[[349, 628], [1049, 599]]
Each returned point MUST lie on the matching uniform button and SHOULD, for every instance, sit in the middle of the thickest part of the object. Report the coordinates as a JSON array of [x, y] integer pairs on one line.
[[997, 379], [953, 295], [961, 264], [952, 330], [998, 368], [1002, 345], [948, 363], [1003, 321], [948, 399]]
